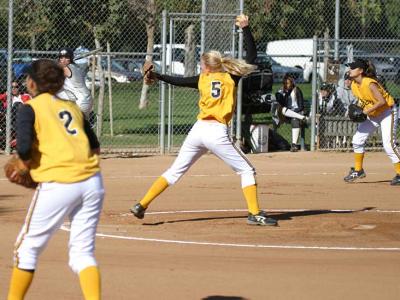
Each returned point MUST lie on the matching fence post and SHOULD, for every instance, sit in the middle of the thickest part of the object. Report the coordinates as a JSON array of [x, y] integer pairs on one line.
[[337, 32], [240, 87], [110, 111], [203, 26], [170, 87], [163, 71], [9, 74], [314, 93]]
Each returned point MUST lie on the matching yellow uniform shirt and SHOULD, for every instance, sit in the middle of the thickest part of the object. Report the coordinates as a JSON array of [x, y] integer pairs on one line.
[[365, 97], [61, 150], [217, 97]]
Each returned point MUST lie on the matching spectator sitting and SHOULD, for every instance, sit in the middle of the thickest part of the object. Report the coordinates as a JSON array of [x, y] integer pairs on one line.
[[18, 98], [343, 92], [291, 101], [329, 103]]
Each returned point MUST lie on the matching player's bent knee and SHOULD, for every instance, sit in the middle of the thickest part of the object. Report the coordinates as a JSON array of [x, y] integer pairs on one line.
[[248, 178], [171, 178], [78, 263]]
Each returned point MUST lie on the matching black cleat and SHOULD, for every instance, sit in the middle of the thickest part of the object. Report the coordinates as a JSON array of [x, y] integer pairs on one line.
[[395, 180], [261, 219], [354, 175], [294, 148], [138, 211]]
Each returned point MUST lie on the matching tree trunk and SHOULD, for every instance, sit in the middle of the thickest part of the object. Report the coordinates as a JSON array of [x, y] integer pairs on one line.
[[190, 51], [150, 27], [33, 41], [100, 107]]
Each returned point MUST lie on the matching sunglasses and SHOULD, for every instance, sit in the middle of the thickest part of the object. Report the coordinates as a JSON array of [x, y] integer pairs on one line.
[[15, 86]]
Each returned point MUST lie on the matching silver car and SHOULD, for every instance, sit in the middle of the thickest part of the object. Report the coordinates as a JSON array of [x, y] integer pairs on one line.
[[279, 71]]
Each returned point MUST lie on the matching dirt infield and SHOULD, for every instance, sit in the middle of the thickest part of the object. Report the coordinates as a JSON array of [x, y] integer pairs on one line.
[[334, 240]]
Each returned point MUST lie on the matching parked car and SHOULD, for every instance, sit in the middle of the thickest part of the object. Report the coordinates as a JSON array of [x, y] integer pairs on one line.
[[384, 67], [279, 71], [19, 65], [135, 66], [118, 72], [175, 56], [287, 52]]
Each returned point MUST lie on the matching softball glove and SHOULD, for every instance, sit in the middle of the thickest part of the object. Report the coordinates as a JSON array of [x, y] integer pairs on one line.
[[17, 172], [356, 113]]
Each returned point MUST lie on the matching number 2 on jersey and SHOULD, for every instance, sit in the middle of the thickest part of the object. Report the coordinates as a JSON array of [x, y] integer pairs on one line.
[[67, 118], [216, 89]]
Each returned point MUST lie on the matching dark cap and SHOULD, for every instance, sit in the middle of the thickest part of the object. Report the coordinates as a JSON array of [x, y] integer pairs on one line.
[[66, 52], [358, 63]]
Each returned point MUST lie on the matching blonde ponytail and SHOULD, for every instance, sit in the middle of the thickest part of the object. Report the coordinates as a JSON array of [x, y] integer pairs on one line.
[[217, 63]]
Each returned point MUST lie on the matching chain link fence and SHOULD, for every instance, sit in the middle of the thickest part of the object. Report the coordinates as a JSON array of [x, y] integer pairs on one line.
[[132, 118]]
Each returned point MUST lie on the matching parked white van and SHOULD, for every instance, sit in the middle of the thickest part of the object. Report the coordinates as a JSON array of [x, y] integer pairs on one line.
[[285, 48], [175, 56]]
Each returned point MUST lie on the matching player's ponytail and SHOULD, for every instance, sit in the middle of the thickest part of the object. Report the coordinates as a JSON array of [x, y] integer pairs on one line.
[[218, 63], [370, 71]]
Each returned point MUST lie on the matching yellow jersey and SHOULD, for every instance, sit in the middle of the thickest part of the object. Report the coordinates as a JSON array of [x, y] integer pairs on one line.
[[61, 150], [366, 98], [217, 97]]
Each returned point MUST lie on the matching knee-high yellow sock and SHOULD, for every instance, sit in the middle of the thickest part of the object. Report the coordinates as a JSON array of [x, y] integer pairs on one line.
[[250, 193], [358, 161], [397, 168], [156, 189], [89, 279], [20, 282]]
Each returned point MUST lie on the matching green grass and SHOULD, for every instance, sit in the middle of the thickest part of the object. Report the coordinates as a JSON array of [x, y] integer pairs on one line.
[[134, 127]]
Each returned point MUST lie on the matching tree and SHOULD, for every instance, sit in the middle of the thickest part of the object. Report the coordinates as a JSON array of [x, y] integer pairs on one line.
[[101, 19], [146, 12], [31, 25]]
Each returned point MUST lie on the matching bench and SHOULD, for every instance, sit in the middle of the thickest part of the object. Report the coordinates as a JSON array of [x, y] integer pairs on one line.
[[336, 133]]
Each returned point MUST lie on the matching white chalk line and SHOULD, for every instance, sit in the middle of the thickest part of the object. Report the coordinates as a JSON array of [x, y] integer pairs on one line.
[[237, 245]]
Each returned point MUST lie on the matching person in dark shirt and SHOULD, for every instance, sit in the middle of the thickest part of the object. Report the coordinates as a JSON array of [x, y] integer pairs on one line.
[[290, 98]]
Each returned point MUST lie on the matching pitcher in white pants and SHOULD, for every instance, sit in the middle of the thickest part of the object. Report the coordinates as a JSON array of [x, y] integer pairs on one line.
[[217, 86]]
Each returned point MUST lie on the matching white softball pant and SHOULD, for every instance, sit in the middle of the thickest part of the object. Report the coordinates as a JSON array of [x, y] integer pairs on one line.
[[388, 123], [51, 204], [212, 136], [86, 105]]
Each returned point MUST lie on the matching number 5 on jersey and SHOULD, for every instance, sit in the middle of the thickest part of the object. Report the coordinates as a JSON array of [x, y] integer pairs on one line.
[[216, 89]]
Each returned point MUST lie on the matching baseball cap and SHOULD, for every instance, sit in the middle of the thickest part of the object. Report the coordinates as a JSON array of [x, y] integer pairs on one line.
[[66, 52], [358, 63]]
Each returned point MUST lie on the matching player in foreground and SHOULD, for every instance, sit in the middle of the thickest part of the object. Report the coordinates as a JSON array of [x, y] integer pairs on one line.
[[381, 110], [55, 141], [217, 86]]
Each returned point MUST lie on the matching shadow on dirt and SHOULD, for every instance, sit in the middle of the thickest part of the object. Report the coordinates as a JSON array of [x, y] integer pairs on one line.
[[305, 213], [275, 215], [217, 297]]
